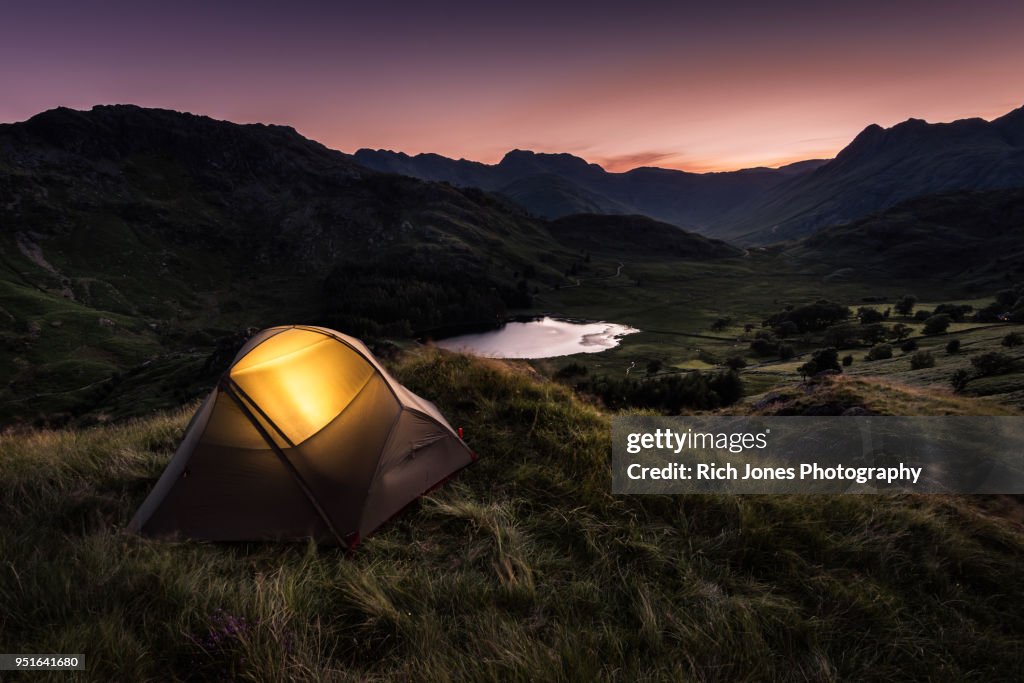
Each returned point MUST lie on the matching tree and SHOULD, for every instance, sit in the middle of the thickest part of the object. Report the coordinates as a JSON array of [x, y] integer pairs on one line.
[[847, 361], [869, 315], [906, 304], [922, 360], [937, 324], [1012, 339], [764, 344], [874, 333], [879, 352], [953, 346], [786, 352], [843, 336], [908, 346], [653, 366]]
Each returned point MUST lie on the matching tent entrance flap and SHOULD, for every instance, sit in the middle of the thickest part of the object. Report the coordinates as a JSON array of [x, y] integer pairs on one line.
[[229, 390]]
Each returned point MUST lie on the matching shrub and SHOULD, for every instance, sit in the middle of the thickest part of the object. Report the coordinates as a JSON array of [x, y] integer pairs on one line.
[[571, 370], [992, 363], [1012, 339], [922, 360], [901, 331], [953, 346], [960, 379], [812, 317], [922, 315], [874, 333], [957, 312], [869, 315], [879, 352], [736, 363], [908, 346], [937, 324], [786, 352], [821, 360], [847, 361], [670, 394]]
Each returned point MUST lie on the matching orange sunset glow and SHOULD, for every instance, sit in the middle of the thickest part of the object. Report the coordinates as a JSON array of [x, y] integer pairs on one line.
[[735, 86]]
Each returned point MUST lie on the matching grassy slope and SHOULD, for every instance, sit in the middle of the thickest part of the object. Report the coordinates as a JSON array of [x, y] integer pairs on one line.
[[523, 568]]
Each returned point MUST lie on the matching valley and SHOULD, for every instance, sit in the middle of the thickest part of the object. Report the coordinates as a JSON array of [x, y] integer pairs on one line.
[[140, 245]]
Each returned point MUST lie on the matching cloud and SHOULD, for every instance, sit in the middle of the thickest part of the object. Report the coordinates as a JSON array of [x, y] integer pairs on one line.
[[626, 162]]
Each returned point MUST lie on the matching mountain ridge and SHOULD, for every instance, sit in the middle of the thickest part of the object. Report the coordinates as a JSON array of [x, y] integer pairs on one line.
[[682, 198], [882, 167]]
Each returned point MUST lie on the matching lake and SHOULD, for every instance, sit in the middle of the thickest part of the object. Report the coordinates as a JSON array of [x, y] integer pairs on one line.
[[541, 338]]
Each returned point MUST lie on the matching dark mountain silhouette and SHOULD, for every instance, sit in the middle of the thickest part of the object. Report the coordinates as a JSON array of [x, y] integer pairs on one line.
[[554, 185], [881, 168], [973, 237], [129, 234], [877, 170]]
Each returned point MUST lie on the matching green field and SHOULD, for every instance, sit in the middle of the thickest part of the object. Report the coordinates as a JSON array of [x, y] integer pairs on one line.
[[675, 305]]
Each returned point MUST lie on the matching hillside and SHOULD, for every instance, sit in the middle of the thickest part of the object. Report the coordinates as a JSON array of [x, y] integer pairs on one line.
[[522, 568], [139, 245], [135, 236], [880, 168], [974, 238], [689, 200], [636, 236]]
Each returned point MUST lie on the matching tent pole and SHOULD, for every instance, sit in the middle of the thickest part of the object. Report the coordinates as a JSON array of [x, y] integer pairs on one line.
[[229, 387]]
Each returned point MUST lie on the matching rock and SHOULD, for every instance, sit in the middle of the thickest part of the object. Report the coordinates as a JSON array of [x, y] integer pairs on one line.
[[857, 411], [769, 400]]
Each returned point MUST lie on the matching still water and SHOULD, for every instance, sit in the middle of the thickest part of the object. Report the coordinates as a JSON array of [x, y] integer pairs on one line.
[[541, 338]]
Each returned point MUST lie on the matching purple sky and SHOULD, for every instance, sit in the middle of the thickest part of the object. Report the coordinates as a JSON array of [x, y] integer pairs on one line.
[[701, 87]]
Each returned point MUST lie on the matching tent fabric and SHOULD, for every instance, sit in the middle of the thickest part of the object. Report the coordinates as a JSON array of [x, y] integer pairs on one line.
[[305, 436]]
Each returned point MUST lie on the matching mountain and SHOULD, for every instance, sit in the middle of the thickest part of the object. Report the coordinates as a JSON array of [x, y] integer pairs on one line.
[[130, 234], [555, 185], [971, 237], [136, 244], [550, 196], [881, 168]]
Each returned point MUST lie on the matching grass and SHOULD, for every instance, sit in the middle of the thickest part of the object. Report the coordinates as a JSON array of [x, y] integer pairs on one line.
[[524, 567]]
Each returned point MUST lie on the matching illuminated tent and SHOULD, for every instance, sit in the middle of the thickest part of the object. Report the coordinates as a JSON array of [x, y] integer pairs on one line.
[[306, 435]]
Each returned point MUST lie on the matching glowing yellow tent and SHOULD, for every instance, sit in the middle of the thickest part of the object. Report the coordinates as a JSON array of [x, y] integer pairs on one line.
[[306, 435]]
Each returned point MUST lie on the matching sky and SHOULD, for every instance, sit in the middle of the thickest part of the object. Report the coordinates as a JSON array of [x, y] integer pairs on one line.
[[694, 86]]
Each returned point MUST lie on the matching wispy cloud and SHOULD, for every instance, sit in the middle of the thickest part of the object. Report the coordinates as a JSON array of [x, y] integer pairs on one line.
[[626, 162]]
